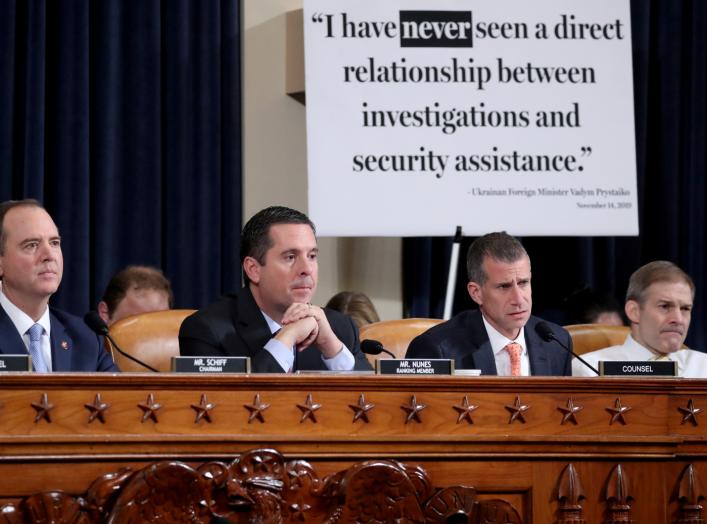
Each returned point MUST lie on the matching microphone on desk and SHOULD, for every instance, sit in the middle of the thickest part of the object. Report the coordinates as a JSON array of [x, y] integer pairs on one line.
[[99, 327], [546, 333], [374, 347]]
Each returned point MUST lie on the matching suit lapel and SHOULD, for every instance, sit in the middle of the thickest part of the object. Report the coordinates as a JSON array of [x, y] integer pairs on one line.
[[482, 354], [62, 345], [537, 352], [252, 327], [11, 342]]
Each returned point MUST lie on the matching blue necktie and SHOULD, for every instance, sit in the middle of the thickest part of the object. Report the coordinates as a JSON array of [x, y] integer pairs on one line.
[[35, 348]]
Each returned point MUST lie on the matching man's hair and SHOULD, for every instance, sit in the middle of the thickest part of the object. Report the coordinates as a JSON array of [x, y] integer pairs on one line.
[[656, 271], [135, 277], [7, 206], [500, 246], [255, 238], [356, 305]]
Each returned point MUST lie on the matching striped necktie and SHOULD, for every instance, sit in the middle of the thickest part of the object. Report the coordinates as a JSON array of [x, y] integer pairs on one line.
[[35, 348]]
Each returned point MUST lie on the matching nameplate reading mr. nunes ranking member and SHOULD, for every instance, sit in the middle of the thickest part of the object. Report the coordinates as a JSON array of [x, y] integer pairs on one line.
[[415, 366]]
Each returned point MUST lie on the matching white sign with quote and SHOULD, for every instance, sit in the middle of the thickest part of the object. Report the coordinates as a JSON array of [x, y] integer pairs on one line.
[[489, 114]]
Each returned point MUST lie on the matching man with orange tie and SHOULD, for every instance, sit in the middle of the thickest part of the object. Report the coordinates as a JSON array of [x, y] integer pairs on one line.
[[502, 337], [31, 267]]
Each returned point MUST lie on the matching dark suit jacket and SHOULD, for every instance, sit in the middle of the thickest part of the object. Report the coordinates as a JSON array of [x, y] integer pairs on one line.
[[74, 346], [464, 339], [234, 326]]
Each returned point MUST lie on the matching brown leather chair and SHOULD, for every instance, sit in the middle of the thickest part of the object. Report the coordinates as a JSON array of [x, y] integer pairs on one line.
[[396, 335], [590, 337], [150, 337]]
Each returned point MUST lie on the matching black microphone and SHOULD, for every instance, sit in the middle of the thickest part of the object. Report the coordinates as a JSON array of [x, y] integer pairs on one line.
[[99, 327], [373, 347], [546, 333]]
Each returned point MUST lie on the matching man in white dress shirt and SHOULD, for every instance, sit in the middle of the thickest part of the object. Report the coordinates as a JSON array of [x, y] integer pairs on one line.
[[31, 267], [658, 305]]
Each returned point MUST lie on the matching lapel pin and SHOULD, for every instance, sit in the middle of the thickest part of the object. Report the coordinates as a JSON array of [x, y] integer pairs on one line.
[[64, 344]]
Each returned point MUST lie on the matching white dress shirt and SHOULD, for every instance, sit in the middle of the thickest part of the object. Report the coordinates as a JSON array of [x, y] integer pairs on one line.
[[285, 356], [22, 322], [691, 363], [501, 356]]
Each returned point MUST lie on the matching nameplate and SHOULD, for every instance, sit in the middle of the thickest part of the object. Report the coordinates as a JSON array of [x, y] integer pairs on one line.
[[10, 363], [649, 368], [211, 364], [414, 366]]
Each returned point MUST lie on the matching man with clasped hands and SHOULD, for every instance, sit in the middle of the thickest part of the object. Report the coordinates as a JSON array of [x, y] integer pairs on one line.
[[271, 319]]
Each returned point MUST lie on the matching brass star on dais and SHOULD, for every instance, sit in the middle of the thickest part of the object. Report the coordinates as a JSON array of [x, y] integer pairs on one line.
[[149, 408], [361, 409], [618, 412], [413, 410], [690, 412], [43, 407], [202, 409], [569, 413], [517, 411], [97, 409], [465, 410], [256, 409], [308, 409]]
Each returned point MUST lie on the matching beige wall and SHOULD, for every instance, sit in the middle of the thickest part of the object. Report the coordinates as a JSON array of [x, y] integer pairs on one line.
[[275, 164]]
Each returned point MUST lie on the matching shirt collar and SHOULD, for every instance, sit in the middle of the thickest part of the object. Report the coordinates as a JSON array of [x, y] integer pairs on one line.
[[274, 326], [21, 320], [643, 353], [498, 341]]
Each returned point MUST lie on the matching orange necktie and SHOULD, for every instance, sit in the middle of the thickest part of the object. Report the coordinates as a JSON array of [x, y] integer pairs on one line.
[[514, 350]]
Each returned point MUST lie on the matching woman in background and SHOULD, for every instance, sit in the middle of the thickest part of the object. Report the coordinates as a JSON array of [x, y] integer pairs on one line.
[[356, 305]]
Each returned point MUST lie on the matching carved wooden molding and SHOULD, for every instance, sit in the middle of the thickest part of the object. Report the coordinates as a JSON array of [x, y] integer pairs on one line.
[[569, 496], [618, 498], [260, 486], [691, 497]]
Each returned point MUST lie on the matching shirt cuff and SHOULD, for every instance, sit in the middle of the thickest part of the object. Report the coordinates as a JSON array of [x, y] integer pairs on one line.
[[342, 361], [281, 353]]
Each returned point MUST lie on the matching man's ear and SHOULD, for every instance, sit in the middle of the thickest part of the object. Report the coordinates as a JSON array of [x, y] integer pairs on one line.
[[103, 311], [633, 311], [475, 292], [251, 268]]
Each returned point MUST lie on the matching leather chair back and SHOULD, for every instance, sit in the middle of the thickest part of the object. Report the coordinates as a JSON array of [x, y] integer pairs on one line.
[[150, 337], [590, 337], [396, 335]]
